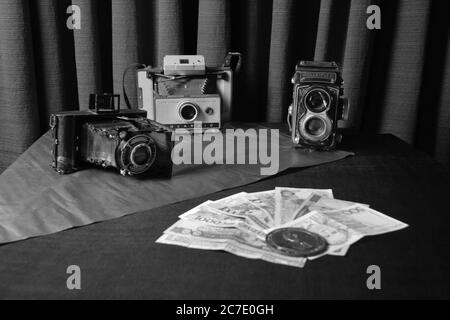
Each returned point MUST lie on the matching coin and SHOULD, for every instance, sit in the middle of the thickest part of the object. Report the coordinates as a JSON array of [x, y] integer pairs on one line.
[[296, 242]]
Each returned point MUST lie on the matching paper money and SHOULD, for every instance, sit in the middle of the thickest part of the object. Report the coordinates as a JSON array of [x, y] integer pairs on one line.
[[338, 235], [205, 215], [198, 235], [321, 202], [343, 227], [340, 252], [239, 224], [265, 200], [365, 220], [238, 206], [289, 200]]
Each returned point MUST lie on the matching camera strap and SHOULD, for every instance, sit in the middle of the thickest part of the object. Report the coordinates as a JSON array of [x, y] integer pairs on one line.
[[134, 66]]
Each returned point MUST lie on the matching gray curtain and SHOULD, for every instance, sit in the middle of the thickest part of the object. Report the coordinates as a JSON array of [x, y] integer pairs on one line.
[[397, 78]]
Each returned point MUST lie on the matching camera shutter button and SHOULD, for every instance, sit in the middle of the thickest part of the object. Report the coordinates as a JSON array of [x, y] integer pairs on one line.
[[209, 111]]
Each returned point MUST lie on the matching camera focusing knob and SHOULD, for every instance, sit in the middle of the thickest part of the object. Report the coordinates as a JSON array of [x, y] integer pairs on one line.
[[338, 138], [296, 78], [345, 108], [122, 135]]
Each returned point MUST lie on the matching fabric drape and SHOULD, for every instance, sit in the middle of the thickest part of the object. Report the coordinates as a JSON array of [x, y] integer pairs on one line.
[[397, 78]]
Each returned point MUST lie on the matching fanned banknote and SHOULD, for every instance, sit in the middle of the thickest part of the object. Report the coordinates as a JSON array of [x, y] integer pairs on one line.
[[321, 202], [207, 216], [240, 223], [265, 200], [194, 234], [238, 206], [365, 221], [338, 235], [343, 227], [288, 201]]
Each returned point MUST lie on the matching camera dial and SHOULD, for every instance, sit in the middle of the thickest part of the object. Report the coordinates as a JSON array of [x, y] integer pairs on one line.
[[188, 111], [317, 100]]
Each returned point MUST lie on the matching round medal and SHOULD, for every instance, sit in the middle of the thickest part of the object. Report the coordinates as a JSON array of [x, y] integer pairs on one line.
[[296, 242]]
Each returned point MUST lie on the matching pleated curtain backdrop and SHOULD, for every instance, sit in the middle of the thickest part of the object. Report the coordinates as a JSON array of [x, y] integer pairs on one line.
[[397, 78]]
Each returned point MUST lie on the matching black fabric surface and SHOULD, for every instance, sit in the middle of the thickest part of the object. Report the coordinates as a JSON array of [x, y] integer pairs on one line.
[[120, 259]]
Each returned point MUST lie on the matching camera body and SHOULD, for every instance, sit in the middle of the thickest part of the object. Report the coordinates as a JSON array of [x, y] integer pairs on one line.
[[185, 91], [318, 105], [104, 136], [204, 109]]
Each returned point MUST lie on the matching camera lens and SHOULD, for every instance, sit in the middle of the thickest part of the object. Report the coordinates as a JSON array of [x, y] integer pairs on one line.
[[317, 100], [188, 111], [315, 126], [137, 155], [141, 155]]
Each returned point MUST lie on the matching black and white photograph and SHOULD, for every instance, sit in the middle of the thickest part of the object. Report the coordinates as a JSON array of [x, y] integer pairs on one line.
[[224, 155]]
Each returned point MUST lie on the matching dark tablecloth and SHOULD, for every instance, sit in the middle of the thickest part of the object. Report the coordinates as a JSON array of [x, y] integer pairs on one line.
[[120, 259]]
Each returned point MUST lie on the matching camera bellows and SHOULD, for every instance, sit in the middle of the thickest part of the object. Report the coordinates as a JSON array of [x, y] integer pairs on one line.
[[123, 139], [101, 145]]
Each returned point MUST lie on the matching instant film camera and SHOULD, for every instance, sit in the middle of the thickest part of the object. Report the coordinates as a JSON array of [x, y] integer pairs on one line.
[[318, 104], [106, 136], [186, 91]]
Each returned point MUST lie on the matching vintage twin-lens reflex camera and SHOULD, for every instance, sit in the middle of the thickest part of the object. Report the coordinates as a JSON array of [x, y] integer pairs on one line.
[[185, 91], [106, 136], [318, 104]]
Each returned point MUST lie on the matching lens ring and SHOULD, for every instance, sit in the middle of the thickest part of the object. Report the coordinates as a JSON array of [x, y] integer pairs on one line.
[[137, 158], [188, 111], [315, 128], [130, 152], [317, 100]]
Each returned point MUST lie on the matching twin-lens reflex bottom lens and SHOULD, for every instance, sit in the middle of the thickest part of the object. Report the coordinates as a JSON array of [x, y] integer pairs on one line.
[[315, 126]]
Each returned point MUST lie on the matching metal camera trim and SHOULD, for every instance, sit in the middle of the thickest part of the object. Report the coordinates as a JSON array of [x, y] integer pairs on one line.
[[315, 138], [137, 168], [311, 90], [136, 148], [183, 104]]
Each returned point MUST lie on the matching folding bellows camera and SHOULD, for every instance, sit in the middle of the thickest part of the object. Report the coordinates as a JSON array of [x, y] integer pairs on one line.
[[106, 136], [186, 92]]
